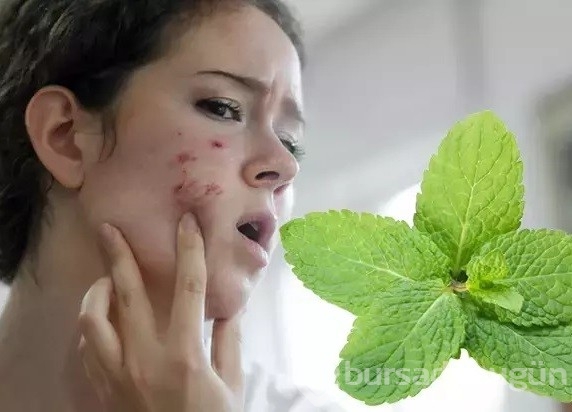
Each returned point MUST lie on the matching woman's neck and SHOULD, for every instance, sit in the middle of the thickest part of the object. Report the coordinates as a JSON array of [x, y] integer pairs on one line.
[[41, 368], [40, 364]]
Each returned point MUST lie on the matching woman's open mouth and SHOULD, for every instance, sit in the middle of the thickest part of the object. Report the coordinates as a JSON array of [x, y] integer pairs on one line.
[[256, 231], [259, 255]]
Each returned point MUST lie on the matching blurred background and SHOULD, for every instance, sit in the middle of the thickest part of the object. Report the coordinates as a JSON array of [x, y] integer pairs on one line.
[[384, 82]]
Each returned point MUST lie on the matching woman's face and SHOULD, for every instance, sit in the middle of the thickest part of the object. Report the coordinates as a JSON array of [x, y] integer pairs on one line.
[[204, 129]]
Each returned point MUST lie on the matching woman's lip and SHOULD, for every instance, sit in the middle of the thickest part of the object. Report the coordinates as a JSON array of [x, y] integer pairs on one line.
[[257, 253], [267, 223]]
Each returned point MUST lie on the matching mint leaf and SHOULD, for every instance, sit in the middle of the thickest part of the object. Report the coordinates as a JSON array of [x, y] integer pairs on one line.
[[462, 277], [402, 344], [346, 257], [472, 190], [483, 272], [503, 297], [540, 270], [536, 359]]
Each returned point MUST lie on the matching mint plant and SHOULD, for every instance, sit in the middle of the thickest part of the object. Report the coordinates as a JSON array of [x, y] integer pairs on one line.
[[463, 277]]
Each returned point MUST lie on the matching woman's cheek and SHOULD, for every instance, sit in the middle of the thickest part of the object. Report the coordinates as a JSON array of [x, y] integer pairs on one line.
[[195, 189], [194, 182]]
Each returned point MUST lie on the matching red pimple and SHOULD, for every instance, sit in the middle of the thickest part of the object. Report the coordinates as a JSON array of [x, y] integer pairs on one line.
[[213, 188], [183, 157], [217, 144]]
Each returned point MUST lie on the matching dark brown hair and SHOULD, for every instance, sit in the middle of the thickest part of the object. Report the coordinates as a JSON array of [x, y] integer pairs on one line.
[[90, 47]]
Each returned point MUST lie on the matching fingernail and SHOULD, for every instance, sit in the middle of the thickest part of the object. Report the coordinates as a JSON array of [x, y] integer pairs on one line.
[[107, 234], [188, 223]]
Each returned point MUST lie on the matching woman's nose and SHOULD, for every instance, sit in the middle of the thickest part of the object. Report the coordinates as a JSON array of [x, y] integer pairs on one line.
[[271, 165]]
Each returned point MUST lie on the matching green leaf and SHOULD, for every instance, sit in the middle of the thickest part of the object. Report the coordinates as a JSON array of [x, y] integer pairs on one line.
[[535, 359], [462, 277], [540, 270], [346, 257], [402, 344], [472, 190], [506, 298], [484, 273]]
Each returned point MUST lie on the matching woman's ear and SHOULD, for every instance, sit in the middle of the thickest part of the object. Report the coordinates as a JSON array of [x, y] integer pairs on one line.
[[58, 126]]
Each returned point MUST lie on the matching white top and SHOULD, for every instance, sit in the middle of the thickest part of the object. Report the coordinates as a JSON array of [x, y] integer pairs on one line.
[[270, 392], [274, 393]]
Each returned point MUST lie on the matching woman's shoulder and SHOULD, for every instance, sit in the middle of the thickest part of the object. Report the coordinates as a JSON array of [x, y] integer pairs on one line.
[[267, 391]]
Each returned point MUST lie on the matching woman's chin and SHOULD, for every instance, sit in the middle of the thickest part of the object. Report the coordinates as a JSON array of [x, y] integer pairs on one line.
[[223, 308], [227, 298]]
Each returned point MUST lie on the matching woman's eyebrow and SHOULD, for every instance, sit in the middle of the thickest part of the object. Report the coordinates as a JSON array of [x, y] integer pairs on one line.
[[256, 85]]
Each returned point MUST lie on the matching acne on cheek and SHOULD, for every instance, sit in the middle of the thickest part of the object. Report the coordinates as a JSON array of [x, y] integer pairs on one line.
[[213, 188], [189, 191], [184, 157], [217, 144]]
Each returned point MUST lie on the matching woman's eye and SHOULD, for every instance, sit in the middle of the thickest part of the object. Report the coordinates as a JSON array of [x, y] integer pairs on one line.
[[293, 146], [221, 109]]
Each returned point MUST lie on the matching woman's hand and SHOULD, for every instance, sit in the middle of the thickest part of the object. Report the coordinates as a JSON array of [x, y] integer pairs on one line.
[[132, 369]]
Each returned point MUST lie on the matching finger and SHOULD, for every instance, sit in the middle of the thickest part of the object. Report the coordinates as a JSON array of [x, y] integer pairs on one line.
[[226, 351], [94, 371], [136, 319], [187, 314], [96, 327]]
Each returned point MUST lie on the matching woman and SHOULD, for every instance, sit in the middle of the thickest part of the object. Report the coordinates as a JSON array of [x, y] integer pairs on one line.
[[147, 155]]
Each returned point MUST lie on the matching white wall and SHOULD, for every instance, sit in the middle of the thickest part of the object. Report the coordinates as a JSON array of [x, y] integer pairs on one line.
[[382, 92]]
